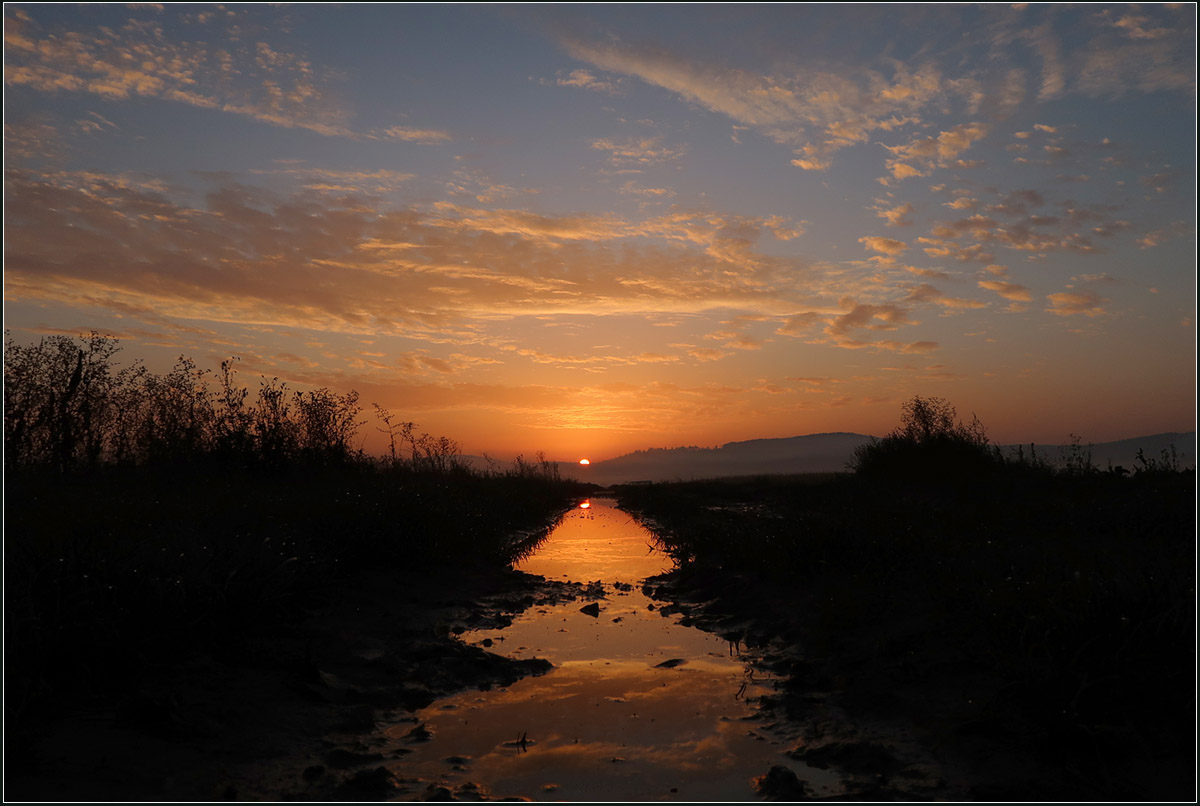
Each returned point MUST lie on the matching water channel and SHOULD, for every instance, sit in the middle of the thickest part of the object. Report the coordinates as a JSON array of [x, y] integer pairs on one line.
[[637, 706]]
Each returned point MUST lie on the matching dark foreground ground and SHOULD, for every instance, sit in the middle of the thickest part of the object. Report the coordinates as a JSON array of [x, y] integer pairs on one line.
[[1036, 642], [289, 714], [201, 631], [1031, 642]]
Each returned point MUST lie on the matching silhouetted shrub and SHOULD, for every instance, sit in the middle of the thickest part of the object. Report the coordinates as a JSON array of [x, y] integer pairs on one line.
[[930, 444], [69, 407]]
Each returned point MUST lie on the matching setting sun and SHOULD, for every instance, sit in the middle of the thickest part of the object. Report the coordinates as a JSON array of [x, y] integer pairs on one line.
[[584, 462]]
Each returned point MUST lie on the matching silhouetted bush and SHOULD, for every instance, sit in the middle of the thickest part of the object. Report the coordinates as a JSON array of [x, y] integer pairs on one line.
[[69, 407], [930, 444]]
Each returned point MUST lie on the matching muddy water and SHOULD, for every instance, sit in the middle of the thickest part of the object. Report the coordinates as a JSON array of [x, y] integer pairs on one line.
[[637, 706]]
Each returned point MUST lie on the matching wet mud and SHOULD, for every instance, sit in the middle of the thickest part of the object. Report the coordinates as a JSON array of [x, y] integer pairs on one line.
[[898, 712]]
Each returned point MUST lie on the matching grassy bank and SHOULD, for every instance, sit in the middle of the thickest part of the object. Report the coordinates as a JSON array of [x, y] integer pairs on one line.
[[152, 517], [1068, 589]]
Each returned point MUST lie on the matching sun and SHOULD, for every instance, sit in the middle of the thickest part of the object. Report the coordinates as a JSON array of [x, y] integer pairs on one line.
[[584, 462]]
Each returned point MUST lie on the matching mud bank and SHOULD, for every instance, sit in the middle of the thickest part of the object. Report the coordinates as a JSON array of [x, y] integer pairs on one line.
[[901, 712], [287, 715]]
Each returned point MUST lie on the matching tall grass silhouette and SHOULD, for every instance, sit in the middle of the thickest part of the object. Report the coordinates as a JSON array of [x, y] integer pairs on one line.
[[154, 515]]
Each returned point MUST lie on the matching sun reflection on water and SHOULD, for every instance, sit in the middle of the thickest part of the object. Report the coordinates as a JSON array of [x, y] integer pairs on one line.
[[637, 706]]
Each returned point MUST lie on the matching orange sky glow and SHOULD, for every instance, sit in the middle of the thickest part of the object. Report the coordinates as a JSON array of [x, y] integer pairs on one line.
[[586, 230]]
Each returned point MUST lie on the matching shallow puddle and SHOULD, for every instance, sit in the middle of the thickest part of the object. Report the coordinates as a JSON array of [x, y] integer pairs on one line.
[[637, 706]]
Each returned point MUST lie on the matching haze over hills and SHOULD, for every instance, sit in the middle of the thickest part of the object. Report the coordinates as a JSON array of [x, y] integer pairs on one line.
[[830, 453]]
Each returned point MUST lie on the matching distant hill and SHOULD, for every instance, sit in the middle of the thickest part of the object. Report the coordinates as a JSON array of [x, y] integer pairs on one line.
[[830, 453], [814, 453]]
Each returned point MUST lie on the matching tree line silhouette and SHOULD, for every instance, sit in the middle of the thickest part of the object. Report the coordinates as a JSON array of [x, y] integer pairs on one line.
[[152, 515], [69, 407]]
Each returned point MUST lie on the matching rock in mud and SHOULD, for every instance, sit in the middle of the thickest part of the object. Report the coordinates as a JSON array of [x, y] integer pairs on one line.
[[780, 783], [376, 784], [592, 609], [470, 791], [419, 734], [436, 792]]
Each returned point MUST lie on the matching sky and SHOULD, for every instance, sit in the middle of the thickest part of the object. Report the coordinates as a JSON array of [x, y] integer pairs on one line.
[[589, 229]]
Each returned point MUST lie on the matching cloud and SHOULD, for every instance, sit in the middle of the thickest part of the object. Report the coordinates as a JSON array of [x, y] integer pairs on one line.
[[813, 164], [94, 123], [1076, 303], [1135, 26], [422, 136], [887, 246], [229, 73], [1049, 49], [898, 216], [870, 317], [139, 59], [744, 96], [744, 342], [928, 293], [1159, 182], [592, 360], [1155, 237], [1015, 221], [1112, 69], [930, 273], [1110, 228], [648, 192], [829, 110], [316, 178], [342, 262], [731, 334], [479, 186], [34, 138], [801, 323], [707, 353], [639, 151], [1010, 291], [922, 156], [586, 79], [973, 253], [962, 203]]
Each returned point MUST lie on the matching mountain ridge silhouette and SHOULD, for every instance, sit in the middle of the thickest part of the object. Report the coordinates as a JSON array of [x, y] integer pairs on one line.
[[831, 452]]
